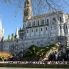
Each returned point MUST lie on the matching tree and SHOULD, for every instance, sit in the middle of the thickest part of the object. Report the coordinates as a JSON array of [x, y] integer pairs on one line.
[[8, 38], [5, 56], [35, 53], [12, 37], [0, 59], [2, 39]]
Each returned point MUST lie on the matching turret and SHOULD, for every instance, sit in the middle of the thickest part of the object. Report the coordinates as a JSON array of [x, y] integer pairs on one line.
[[1, 30], [27, 10], [17, 33]]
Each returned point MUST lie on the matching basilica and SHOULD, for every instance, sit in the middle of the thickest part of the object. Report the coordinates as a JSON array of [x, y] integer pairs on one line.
[[42, 30], [45, 29]]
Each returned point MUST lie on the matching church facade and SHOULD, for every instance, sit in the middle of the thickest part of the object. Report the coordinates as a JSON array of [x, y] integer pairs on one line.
[[45, 29], [42, 30]]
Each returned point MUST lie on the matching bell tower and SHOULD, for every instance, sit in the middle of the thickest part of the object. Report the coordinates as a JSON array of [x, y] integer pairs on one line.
[[27, 10]]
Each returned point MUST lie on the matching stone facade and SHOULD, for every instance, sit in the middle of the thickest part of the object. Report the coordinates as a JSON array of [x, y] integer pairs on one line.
[[46, 29], [13, 47], [43, 30]]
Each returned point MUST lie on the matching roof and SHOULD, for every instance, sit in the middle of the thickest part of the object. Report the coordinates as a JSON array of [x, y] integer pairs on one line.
[[46, 14]]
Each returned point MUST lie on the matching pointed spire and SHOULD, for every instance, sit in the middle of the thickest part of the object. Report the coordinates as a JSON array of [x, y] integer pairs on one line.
[[27, 10], [1, 30], [0, 24], [17, 33]]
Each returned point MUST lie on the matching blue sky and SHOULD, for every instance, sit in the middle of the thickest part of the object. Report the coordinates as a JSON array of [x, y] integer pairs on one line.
[[11, 18], [8, 13]]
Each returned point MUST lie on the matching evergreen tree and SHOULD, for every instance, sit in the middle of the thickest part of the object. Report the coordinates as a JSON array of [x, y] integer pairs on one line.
[[12, 37], [8, 38], [2, 39]]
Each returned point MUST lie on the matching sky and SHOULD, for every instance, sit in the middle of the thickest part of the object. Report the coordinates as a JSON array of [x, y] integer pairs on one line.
[[12, 17]]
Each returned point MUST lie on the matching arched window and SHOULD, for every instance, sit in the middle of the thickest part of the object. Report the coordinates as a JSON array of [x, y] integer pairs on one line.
[[47, 22], [26, 12], [41, 29], [42, 22], [61, 20], [33, 24], [54, 19], [32, 30], [27, 1], [46, 28], [66, 27], [29, 24], [38, 22]]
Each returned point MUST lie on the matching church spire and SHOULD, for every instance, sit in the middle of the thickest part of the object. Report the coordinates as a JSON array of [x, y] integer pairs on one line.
[[1, 30], [17, 33], [27, 10]]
